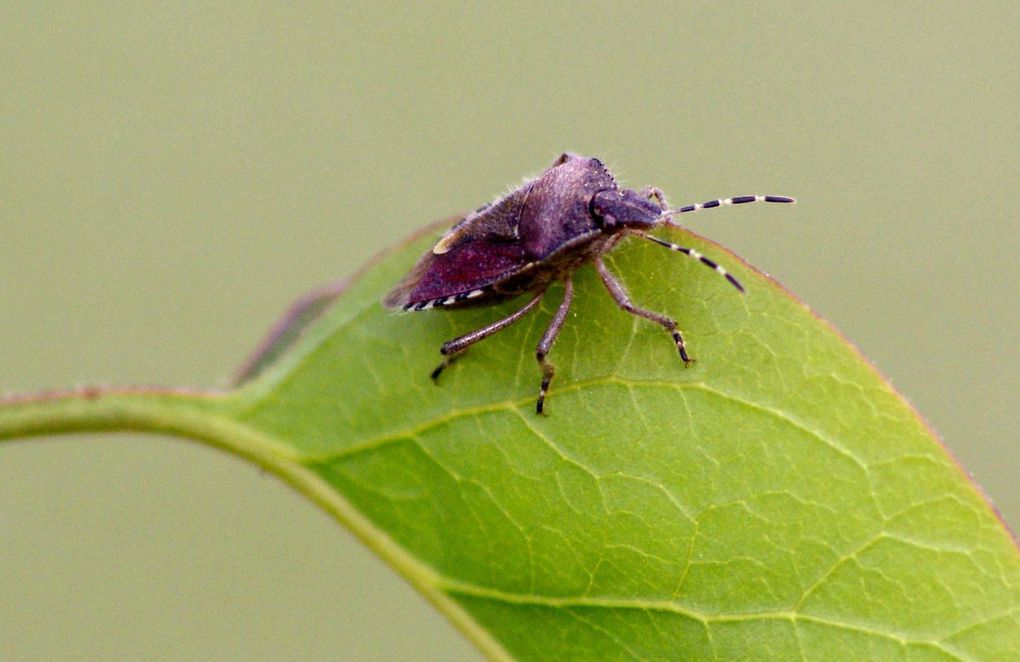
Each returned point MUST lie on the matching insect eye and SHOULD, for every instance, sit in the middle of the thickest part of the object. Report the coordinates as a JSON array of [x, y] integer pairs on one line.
[[603, 220]]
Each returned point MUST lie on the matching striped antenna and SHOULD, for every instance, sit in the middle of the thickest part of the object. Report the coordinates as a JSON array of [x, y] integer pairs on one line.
[[736, 200], [721, 202], [693, 254]]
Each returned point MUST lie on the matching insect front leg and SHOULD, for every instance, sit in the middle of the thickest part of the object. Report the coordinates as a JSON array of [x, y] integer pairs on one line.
[[452, 349], [548, 338], [619, 295], [656, 194]]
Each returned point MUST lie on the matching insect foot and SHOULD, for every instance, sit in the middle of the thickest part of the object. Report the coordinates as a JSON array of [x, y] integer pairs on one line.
[[539, 234]]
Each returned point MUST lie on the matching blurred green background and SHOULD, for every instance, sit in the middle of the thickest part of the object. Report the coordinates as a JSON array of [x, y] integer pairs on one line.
[[171, 178]]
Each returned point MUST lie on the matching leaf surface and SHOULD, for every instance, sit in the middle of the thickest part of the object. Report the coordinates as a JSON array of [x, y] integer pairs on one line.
[[774, 500]]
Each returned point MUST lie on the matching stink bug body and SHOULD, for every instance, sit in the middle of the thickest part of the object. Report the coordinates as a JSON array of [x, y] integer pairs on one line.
[[539, 234]]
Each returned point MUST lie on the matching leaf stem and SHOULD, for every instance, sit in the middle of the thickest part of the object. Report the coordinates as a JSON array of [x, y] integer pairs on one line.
[[100, 409], [205, 417]]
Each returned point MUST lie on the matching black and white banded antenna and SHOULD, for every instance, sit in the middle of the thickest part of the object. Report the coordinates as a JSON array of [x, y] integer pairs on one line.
[[711, 204], [735, 200]]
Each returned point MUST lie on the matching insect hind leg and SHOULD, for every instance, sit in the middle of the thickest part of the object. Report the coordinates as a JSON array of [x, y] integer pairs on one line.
[[453, 349], [622, 299]]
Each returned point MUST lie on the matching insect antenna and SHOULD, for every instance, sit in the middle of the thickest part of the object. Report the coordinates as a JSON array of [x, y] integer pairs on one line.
[[693, 254], [721, 202], [736, 200]]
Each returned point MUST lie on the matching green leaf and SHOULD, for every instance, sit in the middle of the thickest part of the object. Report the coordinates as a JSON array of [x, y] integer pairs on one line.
[[774, 500]]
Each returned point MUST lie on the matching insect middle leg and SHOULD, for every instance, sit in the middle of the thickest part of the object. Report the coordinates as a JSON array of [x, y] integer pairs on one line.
[[619, 295], [454, 348], [548, 338]]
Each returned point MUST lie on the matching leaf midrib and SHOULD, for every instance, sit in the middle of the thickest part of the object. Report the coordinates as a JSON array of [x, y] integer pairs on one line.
[[457, 587], [519, 404]]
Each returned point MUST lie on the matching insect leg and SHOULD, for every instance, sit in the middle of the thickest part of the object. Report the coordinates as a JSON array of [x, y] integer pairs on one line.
[[619, 295], [454, 347], [548, 338], [656, 194]]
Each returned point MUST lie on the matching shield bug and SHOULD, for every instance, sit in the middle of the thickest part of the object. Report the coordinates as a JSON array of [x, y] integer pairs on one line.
[[539, 234]]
